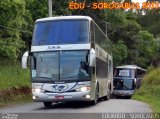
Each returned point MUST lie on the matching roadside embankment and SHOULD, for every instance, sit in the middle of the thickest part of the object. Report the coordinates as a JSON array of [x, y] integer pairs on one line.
[[14, 84], [150, 90]]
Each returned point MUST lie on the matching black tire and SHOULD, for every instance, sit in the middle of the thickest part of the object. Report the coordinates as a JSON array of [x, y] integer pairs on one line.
[[108, 96], [47, 104], [94, 102], [105, 98], [118, 97], [129, 97]]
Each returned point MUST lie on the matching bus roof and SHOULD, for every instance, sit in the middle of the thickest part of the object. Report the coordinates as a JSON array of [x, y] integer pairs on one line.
[[131, 67], [63, 18]]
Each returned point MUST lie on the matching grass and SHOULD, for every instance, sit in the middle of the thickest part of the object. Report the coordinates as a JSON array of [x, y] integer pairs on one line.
[[150, 90], [14, 83], [18, 99], [11, 75]]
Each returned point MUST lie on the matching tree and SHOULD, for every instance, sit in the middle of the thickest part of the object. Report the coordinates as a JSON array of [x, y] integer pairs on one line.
[[12, 22], [147, 49], [119, 53]]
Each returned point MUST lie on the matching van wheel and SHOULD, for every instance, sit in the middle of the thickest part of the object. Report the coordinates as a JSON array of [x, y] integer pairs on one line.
[[47, 104], [94, 102]]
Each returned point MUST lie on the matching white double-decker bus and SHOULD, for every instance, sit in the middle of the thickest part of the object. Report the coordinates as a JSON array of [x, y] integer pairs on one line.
[[70, 60]]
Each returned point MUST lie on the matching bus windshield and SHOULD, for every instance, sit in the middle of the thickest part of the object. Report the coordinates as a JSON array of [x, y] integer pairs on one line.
[[123, 84], [61, 32], [124, 72], [61, 65]]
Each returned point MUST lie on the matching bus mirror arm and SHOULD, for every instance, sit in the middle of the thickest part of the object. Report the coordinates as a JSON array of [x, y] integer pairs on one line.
[[24, 60], [92, 57]]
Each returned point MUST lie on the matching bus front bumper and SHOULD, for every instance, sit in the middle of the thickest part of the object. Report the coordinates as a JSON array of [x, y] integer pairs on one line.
[[123, 92], [61, 97]]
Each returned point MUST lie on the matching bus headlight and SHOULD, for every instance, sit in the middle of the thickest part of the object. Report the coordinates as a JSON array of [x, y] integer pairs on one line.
[[37, 90], [83, 89]]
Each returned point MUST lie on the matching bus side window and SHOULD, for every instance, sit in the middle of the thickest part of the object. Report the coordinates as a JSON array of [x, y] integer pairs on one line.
[[110, 66], [140, 73], [92, 35]]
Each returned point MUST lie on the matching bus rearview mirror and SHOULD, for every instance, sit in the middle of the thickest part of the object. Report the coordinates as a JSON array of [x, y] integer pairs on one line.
[[92, 58], [24, 60]]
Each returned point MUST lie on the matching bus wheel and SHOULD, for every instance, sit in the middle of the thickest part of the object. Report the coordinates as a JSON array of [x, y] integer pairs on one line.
[[94, 102], [47, 104], [108, 96], [129, 97], [118, 97]]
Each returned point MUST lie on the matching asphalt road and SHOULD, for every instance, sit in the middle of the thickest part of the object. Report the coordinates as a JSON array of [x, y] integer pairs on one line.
[[74, 110]]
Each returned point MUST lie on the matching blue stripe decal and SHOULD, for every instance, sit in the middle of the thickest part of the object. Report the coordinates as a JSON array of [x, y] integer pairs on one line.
[[72, 87]]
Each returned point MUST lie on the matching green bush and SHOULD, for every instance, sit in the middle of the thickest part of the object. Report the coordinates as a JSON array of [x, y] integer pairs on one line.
[[150, 89], [14, 83], [11, 75]]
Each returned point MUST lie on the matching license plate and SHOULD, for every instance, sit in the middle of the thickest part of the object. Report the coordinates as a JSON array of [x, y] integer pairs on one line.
[[60, 97]]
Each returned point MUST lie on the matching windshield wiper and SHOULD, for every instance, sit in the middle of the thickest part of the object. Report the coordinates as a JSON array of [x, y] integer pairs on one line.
[[45, 78], [76, 78], [69, 77], [126, 87]]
